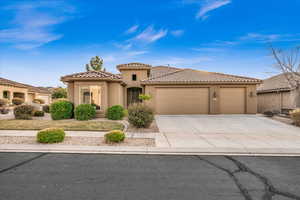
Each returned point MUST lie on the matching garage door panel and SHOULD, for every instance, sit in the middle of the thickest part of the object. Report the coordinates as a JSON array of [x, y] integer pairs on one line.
[[182, 100], [232, 100]]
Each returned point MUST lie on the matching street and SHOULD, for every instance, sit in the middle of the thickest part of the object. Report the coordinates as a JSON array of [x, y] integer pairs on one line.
[[47, 176]]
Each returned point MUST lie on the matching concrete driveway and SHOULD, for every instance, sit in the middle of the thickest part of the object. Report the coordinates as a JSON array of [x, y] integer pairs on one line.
[[236, 133]]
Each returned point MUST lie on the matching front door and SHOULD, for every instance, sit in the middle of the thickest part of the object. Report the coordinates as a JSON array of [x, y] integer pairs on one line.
[[133, 95]]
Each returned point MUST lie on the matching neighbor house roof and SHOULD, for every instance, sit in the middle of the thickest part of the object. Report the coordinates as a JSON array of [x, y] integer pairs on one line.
[[275, 83], [190, 76], [30, 88], [92, 75]]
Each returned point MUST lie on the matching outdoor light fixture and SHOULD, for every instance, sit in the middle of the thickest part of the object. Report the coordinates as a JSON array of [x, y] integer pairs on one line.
[[251, 94], [214, 96]]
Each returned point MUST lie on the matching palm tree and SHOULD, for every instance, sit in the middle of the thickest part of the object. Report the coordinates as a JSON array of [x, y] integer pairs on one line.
[[95, 64]]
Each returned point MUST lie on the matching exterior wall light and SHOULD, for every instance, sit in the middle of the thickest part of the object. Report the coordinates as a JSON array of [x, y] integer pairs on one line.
[[214, 96]]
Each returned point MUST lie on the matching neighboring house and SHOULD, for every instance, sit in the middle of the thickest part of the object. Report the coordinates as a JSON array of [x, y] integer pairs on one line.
[[11, 89], [173, 90], [276, 94]]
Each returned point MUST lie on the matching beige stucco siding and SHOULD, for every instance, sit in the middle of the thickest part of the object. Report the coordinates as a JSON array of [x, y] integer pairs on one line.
[[247, 92], [45, 97], [182, 100], [115, 94], [13, 90]]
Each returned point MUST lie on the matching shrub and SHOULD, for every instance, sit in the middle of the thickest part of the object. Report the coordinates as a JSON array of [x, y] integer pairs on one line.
[[268, 113], [144, 97], [114, 136], [61, 110], [17, 101], [3, 102], [295, 115], [140, 116], [85, 112], [23, 112], [38, 113], [59, 93], [115, 112], [4, 111], [46, 108], [39, 101], [51, 135], [60, 99]]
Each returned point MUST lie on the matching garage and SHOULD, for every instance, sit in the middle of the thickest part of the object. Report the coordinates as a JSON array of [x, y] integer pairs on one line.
[[172, 101], [232, 100]]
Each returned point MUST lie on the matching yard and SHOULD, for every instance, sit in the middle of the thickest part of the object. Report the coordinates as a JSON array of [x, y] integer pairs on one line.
[[67, 125]]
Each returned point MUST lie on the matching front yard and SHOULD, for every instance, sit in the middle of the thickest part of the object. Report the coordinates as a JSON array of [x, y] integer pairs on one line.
[[67, 125]]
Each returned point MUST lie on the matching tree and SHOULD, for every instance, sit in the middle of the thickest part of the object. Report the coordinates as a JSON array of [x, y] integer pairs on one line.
[[59, 93], [95, 64], [288, 62]]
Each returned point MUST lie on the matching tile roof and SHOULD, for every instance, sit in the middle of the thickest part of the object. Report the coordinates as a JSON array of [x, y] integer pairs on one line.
[[92, 75], [275, 83], [185, 76], [135, 65], [30, 88], [160, 70]]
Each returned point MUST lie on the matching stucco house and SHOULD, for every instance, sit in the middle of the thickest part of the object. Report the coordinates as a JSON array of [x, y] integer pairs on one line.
[[173, 90], [276, 94], [10, 89]]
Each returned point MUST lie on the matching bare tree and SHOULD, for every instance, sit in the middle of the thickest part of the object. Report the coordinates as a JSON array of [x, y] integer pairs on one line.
[[288, 62]]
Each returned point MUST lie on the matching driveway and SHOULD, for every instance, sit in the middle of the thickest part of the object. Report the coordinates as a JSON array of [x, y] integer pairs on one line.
[[232, 132]]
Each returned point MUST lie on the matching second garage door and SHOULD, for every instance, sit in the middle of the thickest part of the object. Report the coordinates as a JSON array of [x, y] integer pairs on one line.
[[182, 101], [232, 101]]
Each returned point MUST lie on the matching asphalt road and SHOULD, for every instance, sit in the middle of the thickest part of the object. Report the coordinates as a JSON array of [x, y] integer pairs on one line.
[[90, 176]]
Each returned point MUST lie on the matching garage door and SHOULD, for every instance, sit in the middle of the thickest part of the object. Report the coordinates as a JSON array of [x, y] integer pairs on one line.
[[182, 101], [232, 100]]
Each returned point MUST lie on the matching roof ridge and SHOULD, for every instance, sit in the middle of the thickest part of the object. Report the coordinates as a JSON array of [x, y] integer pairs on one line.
[[163, 75]]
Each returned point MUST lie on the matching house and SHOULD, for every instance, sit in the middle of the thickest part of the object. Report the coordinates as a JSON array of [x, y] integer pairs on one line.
[[276, 94], [173, 90], [11, 89]]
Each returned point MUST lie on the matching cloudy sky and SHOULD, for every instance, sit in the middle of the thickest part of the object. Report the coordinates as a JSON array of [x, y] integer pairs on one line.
[[44, 39]]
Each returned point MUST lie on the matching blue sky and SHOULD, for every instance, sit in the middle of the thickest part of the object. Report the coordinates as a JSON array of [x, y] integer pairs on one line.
[[43, 40]]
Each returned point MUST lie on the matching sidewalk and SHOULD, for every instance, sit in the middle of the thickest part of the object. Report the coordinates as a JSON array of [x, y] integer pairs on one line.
[[163, 146]]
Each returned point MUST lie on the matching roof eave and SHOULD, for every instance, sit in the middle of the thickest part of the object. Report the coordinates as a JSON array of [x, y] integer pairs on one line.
[[71, 79], [200, 82]]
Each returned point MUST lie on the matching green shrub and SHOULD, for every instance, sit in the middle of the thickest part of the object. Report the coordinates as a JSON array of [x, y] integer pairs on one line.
[[38, 113], [114, 136], [145, 97], [85, 112], [59, 93], [115, 112], [61, 110], [295, 115], [46, 108], [140, 116], [39, 101], [3, 102], [51, 135], [23, 111], [17, 101]]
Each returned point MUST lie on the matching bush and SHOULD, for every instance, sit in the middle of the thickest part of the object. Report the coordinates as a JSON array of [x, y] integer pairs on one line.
[[268, 113], [60, 99], [23, 112], [59, 93], [114, 136], [38, 113], [145, 97], [51, 135], [85, 112], [116, 112], [17, 101], [3, 102], [4, 111], [39, 101], [46, 108], [61, 110], [295, 115], [140, 116]]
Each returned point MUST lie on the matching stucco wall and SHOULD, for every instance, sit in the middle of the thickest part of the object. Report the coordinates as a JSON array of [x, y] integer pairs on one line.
[[275, 101], [12, 90], [115, 94], [127, 77], [214, 96]]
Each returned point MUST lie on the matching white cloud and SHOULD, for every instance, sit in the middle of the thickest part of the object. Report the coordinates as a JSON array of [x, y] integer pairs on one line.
[[132, 29], [150, 35], [261, 37], [177, 33], [125, 46], [33, 23], [136, 53], [209, 6]]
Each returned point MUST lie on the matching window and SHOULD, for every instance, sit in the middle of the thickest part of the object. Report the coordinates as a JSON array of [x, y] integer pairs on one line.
[[91, 95], [134, 77], [6, 94]]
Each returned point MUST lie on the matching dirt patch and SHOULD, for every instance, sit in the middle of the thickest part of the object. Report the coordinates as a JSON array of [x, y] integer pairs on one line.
[[84, 141], [152, 129]]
